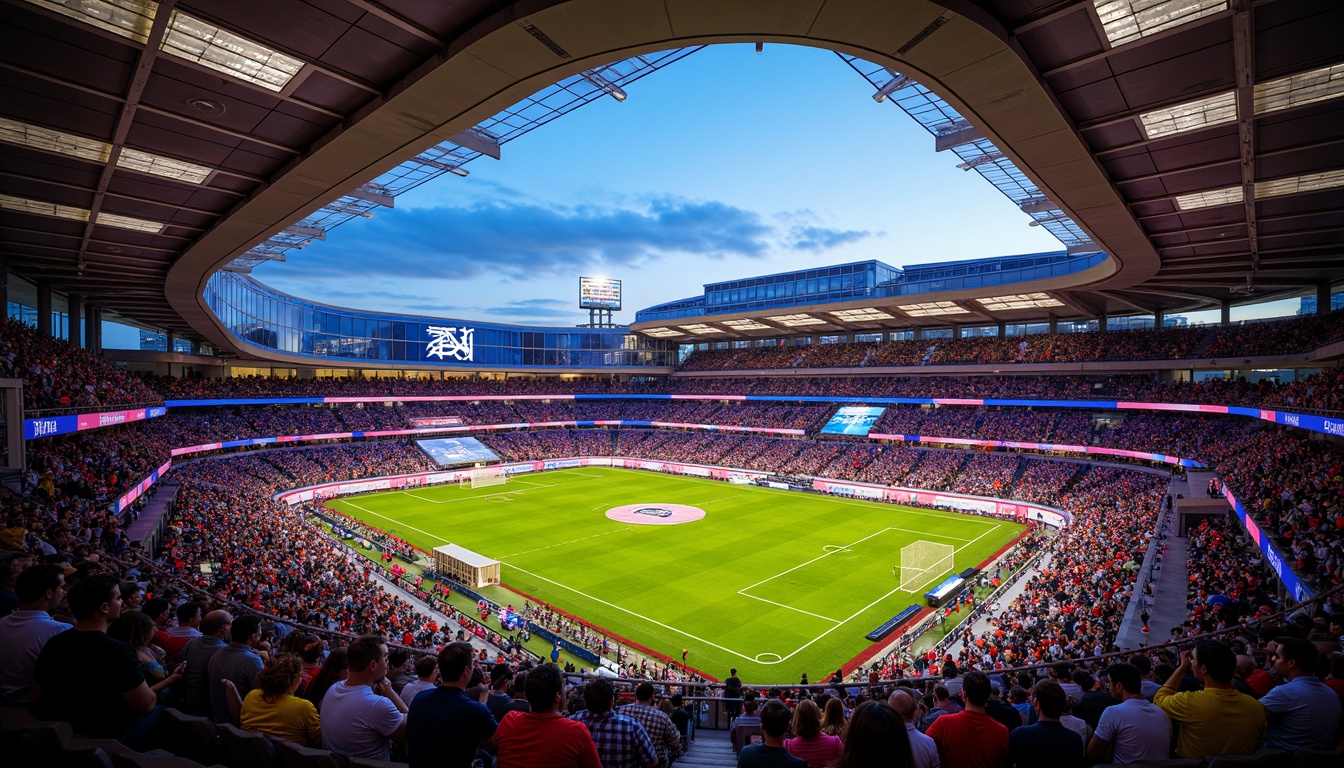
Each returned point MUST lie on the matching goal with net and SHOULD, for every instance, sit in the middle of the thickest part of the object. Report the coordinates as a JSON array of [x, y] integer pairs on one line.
[[924, 561], [482, 478]]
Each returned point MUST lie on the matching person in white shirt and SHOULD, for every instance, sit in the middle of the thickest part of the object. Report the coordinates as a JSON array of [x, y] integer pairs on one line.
[[426, 670], [1133, 730], [922, 748], [26, 630], [363, 714]]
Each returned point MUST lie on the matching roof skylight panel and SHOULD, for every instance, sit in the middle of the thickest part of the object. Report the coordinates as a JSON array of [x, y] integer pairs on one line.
[[1126, 21], [195, 40], [126, 18]]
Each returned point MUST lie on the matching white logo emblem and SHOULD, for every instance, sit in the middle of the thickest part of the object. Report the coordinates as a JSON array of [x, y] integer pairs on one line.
[[446, 343]]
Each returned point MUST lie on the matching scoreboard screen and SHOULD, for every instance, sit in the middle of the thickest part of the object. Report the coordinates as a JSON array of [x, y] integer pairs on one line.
[[599, 293]]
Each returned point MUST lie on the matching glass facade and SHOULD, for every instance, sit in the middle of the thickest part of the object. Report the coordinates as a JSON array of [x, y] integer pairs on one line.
[[262, 317], [868, 280]]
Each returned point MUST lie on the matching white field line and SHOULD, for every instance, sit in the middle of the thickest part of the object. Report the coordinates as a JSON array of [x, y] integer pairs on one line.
[[422, 498], [835, 548], [398, 522], [813, 560], [790, 607], [563, 543], [905, 510], [725, 498], [538, 485], [856, 614]]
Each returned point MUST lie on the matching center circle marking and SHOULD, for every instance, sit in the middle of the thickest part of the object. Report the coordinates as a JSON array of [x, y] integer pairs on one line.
[[655, 514]]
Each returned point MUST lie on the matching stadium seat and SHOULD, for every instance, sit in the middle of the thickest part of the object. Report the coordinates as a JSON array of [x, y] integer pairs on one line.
[[1318, 758], [1266, 758], [191, 737], [364, 762], [1178, 762], [139, 760], [742, 735], [245, 749], [294, 755]]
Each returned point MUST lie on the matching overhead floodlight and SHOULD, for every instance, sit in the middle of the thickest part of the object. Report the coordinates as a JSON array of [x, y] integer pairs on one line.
[[976, 162], [859, 315], [611, 88], [195, 40], [896, 83], [129, 222], [1125, 21], [347, 208], [700, 328], [127, 18], [1209, 198], [1298, 89], [144, 162], [43, 208], [1191, 116], [792, 321], [745, 325], [1306, 183], [456, 170], [1019, 301], [932, 308]]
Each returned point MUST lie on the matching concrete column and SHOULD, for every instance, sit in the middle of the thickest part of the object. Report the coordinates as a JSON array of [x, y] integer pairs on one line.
[[956, 331], [1323, 297], [93, 329], [170, 336], [919, 334], [44, 309], [1003, 328], [74, 301], [1054, 324], [1160, 318], [4, 285], [1101, 322], [1225, 310]]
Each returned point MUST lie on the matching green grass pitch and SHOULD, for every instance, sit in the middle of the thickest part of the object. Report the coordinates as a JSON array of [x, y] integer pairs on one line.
[[774, 583]]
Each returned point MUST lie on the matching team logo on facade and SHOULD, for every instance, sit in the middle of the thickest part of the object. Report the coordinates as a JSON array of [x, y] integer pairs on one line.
[[447, 341], [653, 512]]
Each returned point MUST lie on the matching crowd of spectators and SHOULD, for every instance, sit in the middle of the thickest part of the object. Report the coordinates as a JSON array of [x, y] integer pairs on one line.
[[1275, 337], [59, 376]]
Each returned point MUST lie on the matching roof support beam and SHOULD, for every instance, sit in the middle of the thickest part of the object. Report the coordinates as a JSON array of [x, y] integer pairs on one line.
[[139, 77], [370, 195], [965, 134], [1243, 52], [400, 22], [1221, 16]]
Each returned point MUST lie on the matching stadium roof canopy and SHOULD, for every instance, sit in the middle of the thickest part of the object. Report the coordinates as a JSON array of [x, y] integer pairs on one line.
[[144, 146]]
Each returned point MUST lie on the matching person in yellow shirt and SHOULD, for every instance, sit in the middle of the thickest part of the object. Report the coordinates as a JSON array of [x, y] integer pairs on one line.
[[1219, 720], [273, 709]]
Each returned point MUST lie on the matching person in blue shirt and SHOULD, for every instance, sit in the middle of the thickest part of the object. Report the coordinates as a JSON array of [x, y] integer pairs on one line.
[[1303, 713], [775, 717], [1047, 743]]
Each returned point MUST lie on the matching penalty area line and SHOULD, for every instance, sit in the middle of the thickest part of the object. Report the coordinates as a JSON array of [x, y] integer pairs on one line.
[[668, 627]]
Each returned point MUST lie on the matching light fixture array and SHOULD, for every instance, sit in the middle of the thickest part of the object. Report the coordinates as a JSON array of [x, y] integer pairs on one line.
[[187, 37], [794, 321], [1019, 301], [56, 210], [745, 325], [860, 315], [1290, 185], [932, 308]]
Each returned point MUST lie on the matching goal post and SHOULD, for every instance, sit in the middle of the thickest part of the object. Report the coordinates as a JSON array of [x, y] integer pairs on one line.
[[923, 561], [483, 478]]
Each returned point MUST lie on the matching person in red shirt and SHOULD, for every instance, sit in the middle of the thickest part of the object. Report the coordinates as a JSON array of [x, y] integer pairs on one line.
[[543, 738], [971, 739]]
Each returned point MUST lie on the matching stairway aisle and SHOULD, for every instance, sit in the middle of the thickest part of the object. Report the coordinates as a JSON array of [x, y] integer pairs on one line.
[[711, 749]]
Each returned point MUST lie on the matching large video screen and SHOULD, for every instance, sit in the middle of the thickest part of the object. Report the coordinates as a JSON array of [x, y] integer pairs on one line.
[[599, 293], [455, 451], [854, 420]]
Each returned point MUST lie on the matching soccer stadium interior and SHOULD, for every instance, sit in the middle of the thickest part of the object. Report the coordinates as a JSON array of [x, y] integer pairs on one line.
[[1006, 511]]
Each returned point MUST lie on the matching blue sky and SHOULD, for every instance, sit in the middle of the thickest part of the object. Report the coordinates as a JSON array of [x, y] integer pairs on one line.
[[726, 164]]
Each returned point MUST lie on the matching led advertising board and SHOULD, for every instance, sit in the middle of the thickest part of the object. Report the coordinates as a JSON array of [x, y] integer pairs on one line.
[[854, 420], [599, 293], [453, 451]]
